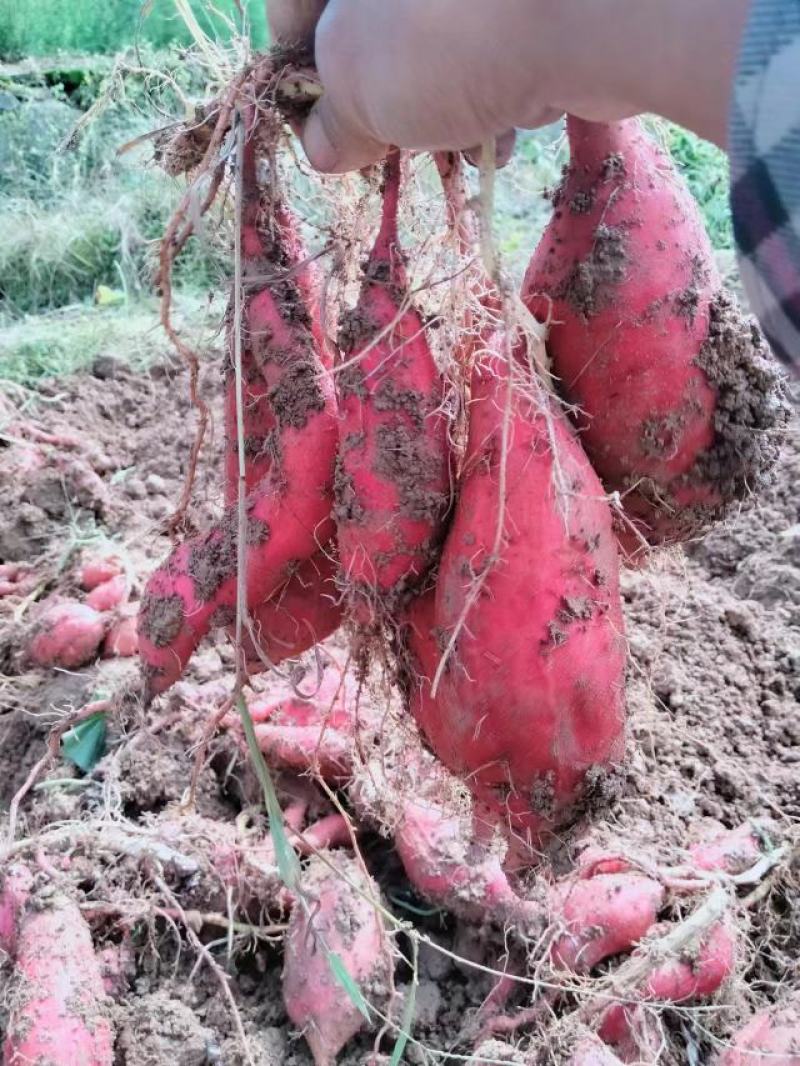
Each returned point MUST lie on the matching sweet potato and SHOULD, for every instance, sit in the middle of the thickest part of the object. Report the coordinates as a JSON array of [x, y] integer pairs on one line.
[[274, 270], [289, 511], [109, 594], [451, 870], [99, 569], [15, 887], [771, 1038], [530, 709], [66, 634], [731, 852], [313, 735], [392, 478], [676, 396], [58, 1004], [677, 980], [121, 641], [602, 916], [336, 919], [303, 613]]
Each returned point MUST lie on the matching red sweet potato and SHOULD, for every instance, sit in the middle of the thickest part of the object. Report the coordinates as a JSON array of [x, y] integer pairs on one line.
[[303, 613], [313, 735], [602, 916], [15, 888], [392, 478], [66, 634], [771, 1038], [289, 511], [122, 640], [58, 1012], [675, 393], [731, 852], [99, 569], [109, 594], [451, 870], [270, 247], [530, 709], [336, 919], [677, 980]]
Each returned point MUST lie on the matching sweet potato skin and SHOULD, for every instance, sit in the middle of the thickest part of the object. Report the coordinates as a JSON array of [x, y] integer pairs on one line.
[[338, 920], [602, 916], [289, 520], [393, 481], [58, 1005], [304, 613], [771, 1038], [109, 594], [67, 634], [639, 330], [530, 710]]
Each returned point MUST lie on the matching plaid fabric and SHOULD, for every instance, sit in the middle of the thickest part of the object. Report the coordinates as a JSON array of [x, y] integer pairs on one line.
[[765, 170]]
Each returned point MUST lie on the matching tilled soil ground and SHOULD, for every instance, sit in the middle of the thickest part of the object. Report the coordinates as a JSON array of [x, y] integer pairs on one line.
[[714, 692]]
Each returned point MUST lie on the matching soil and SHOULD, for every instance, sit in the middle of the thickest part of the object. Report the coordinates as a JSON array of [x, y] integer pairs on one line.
[[714, 690]]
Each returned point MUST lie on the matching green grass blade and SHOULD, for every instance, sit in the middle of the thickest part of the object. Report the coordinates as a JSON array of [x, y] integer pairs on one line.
[[343, 978], [285, 855], [409, 1010]]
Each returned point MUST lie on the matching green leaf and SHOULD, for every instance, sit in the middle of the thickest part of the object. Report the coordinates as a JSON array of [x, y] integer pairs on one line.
[[409, 1010], [285, 855], [339, 971], [85, 743]]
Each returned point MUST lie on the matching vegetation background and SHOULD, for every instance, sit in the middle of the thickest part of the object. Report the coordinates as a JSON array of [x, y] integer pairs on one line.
[[80, 227]]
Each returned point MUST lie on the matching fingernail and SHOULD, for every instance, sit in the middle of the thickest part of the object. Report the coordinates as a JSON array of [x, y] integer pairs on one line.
[[320, 151]]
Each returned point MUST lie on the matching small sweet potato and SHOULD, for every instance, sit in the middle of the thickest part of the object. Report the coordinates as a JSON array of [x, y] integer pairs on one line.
[[602, 916], [122, 640], [315, 735], [109, 594], [67, 634], [99, 569], [58, 1004], [335, 920], [771, 1038]]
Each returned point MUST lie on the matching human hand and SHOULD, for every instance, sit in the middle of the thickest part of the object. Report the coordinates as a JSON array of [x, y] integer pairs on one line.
[[451, 74]]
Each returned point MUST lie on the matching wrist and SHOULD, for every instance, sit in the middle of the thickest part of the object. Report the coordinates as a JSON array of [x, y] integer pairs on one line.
[[676, 58]]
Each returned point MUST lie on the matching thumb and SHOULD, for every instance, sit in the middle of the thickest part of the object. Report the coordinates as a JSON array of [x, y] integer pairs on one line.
[[333, 145]]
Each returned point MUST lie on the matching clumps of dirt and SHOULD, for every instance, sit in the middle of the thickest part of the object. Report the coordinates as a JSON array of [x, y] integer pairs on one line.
[[346, 507], [751, 410], [356, 329], [161, 619], [388, 397], [298, 394], [582, 202], [403, 459], [588, 286], [212, 558], [613, 167], [156, 1029]]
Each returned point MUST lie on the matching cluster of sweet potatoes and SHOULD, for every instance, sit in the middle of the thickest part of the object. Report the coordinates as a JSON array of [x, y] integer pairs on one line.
[[488, 570], [71, 632]]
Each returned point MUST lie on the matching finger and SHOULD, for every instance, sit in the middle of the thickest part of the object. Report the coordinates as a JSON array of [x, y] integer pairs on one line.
[[293, 22], [333, 146], [503, 150]]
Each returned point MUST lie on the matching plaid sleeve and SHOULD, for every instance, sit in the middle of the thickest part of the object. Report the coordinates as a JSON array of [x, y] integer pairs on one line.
[[765, 170]]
